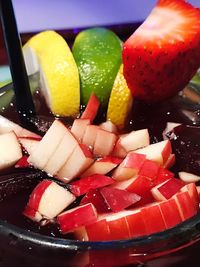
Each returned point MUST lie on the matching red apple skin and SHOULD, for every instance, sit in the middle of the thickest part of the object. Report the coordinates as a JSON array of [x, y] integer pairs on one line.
[[95, 197], [193, 193], [163, 175], [91, 109], [98, 231], [77, 217], [95, 181], [119, 229], [153, 219], [118, 150], [167, 151], [118, 199], [170, 161], [22, 163], [129, 167], [114, 160], [170, 213], [102, 166], [32, 214], [140, 185], [185, 205], [149, 169], [37, 193], [146, 198], [170, 187], [136, 224]]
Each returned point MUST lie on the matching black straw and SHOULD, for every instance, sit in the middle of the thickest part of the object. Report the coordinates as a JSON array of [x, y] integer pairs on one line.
[[24, 101]]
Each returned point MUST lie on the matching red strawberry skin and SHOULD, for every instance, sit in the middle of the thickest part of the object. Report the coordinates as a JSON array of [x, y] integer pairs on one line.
[[163, 54]]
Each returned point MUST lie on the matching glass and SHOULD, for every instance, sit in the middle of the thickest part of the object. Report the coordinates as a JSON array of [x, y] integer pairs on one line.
[[178, 246]]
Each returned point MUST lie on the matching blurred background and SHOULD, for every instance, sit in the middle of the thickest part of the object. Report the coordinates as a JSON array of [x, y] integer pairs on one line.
[[64, 14], [38, 15]]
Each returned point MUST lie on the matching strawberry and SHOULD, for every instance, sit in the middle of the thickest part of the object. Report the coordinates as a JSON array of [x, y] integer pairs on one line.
[[163, 54]]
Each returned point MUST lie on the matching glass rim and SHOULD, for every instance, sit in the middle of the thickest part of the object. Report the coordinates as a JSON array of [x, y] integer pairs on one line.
[[182, 234]]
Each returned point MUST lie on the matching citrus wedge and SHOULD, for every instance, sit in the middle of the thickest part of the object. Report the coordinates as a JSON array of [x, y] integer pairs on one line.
[[48, 53], [98, 55], [120, 101]]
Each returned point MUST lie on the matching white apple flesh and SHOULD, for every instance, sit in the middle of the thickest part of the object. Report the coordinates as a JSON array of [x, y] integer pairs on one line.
[[104, 143], [61, 154], [129, 167], [10, 150], [89, 136], [135, 140], [102, 166], [158, 152], [78, 128], [28, 144], [7, 126], [108, 126], [80, 159], [47, 146]]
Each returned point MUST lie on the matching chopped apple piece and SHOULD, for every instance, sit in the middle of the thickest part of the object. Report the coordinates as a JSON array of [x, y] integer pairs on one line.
[[61, 153], [29, 144], [7, 126], [95, 181], [79, 127], [167, 189], [104, 143], [80, 159], [32, 214], [108, 126], [102, 166], [47, 146], [193, 193], [189, 177], [22, 163], [170, 213], [97, 231], [118, 199], [118, 226], [129, 167], [95, 197], [89, 136], [185, 205], [153, 219], [91, 109], [158, 152], [77, 217], [136, 224], [135, 140], [49, 199], [118, 150], [170, 161], [163, 175], [149, 169], [10, 150]]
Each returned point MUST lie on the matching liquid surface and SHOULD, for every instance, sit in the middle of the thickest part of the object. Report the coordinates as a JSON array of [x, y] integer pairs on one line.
[[186, 146]]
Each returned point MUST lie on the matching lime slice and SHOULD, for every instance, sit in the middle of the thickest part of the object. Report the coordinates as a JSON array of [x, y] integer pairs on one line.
[[120, 101], [97, 52], [48, 53]]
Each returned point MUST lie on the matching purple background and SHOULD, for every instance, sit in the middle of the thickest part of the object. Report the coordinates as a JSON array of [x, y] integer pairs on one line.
[[65, 14]]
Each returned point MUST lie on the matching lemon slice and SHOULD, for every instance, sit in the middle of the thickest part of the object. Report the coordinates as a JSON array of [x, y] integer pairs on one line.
[[48, 53], [120, 101]]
